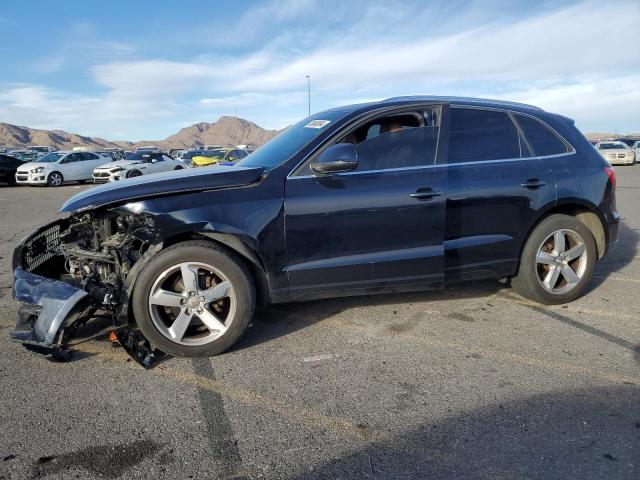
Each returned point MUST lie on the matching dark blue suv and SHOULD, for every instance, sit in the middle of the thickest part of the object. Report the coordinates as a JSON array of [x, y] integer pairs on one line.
[[405, 194]]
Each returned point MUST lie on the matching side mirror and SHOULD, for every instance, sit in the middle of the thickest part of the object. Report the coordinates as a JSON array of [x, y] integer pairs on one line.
[[341, 157]]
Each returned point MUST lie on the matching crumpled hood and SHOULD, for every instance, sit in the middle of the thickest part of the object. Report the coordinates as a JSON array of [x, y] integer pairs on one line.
[[162, 183]]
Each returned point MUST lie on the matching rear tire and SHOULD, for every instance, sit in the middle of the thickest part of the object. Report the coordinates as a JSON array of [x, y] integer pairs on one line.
[[165, 294], [557, 261], [55, 179]]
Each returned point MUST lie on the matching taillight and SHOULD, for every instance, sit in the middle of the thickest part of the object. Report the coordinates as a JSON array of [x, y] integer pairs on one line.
[[612, 176]]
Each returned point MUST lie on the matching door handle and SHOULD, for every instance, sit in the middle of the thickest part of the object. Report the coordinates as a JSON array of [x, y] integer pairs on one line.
[[425, 194], [533, 183]]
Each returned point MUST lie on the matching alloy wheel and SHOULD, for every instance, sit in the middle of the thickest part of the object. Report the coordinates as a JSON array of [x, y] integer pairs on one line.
[[192, 303], [561, 261], [55, 179]]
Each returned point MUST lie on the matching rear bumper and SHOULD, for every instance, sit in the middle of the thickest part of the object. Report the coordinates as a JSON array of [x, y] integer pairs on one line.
[[47, 307], [613, 232]]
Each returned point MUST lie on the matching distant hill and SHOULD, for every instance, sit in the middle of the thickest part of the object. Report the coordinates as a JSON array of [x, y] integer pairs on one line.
[[611, 136], [226, 131]]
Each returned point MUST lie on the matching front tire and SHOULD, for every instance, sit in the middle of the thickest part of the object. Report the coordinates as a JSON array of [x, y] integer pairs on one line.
[[557, 261], [134, 173], [55, 179], [193, 299]]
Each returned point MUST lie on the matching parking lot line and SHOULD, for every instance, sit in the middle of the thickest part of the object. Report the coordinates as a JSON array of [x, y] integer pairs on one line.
[[502, 356], [249, 397], [502, 298], [617, 278]]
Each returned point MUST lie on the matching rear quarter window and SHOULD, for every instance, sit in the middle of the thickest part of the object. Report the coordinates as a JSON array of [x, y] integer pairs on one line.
[[542, 140]]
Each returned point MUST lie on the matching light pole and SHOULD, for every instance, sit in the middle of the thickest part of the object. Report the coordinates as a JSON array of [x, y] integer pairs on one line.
[[309, 94]]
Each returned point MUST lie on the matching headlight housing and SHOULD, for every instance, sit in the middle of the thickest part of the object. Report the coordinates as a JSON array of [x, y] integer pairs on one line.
[[38, 170], [116, 170]]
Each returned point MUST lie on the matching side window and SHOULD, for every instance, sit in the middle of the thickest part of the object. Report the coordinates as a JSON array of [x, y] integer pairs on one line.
[[89, 156], [410, 147], [478, 135], [158, 157], [73, 157], [241, 154], [542, 140]]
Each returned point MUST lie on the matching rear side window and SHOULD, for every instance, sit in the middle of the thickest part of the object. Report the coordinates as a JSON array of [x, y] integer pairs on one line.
[[542, 140], [482, 135]]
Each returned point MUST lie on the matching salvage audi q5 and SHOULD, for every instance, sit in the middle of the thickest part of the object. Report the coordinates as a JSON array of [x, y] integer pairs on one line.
[[405, 194]]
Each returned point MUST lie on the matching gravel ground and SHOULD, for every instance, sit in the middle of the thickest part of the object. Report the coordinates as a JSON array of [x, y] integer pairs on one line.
[[469, 382]]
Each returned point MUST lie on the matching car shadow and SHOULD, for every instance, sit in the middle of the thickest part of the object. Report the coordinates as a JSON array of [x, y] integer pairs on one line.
[[280, 320], [621, 255], [283, 319], [590, 433]]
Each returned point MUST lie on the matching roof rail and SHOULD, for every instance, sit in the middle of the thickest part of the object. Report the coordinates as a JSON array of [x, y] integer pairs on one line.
[[460, 99]]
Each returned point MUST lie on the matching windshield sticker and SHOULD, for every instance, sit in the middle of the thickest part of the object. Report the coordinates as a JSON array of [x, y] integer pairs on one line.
[[317, 123]]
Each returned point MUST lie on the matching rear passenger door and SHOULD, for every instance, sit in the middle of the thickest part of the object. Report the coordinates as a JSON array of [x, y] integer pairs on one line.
[[495, 187]]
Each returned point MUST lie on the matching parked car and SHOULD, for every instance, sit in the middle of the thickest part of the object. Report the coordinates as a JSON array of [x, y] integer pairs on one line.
[[8, 167], [213, 157], [135, 165], [616, 152], [636, 150], [187, 157], [57, 167], [405, 194], [24, 155]]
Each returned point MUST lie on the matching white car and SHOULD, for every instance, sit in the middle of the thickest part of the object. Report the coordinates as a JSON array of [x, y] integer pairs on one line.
[[57, 167], [636, 149], [136, 164], [616, 152]]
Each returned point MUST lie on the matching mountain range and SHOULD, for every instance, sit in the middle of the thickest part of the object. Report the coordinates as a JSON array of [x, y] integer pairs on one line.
[[225, 131]]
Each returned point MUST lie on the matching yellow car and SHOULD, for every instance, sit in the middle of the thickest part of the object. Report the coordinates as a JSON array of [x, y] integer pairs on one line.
[[213, 157]]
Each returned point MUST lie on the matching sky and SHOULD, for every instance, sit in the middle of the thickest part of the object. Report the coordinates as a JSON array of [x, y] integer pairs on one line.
[[134, 70]]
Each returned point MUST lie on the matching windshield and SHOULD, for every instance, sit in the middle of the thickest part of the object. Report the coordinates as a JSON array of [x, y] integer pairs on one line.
[[612, 146], [190, 155], [282, 147], [213, 153], [52, 157]]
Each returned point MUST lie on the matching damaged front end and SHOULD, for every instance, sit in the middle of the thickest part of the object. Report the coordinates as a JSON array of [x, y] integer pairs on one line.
[[79, 268]]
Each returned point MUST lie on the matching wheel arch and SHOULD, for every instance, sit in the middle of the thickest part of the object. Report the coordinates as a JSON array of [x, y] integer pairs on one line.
[[583, 211], [246, 254]]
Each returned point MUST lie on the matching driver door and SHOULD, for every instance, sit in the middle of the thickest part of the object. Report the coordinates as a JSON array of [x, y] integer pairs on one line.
[[377, 228], [72, 166]]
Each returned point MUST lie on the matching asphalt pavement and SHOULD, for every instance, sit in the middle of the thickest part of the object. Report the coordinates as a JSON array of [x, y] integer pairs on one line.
[[471, 382]]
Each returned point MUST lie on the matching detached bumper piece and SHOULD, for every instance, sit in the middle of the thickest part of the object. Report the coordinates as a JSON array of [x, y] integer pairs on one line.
[[48, 307]]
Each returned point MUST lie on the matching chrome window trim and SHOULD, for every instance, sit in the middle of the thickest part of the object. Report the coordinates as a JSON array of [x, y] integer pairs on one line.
[[435, 165], [509, 112]]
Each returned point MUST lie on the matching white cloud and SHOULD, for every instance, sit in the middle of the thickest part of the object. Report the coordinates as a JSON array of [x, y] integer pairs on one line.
[[562, 58], [596, 104]]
